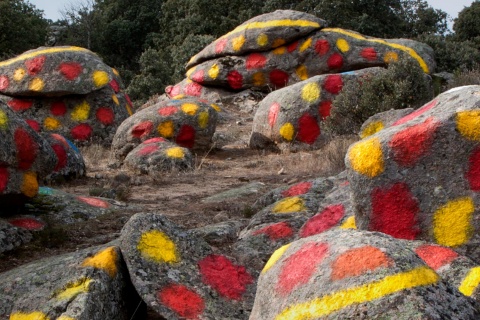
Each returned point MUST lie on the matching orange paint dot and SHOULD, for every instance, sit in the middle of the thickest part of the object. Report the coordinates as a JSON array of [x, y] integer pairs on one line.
[[94, 202], [357, 261]]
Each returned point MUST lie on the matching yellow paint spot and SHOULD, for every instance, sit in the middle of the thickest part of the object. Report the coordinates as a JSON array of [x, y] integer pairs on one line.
[[65, 318], [105, 260], [302, 72], [305, 45], [279, 50], [19, 74], [179, 96], [311, 92], [175, 152], [323, 306], [129, 110], [289, 205], [274, 23], [366, 157], [36, 315], [468, 124], [452, 222], [30, 184], [277, 43], [215, 107], [237, 43], [203, 119], [115, 99], [371, 129], [471, 282], [343, 45], [189, 108], [27, 56], [349, 223], [192, 59], [190, 71], [73, 289], [100, 78], [390, 57], [36, 84], [51, 124], [166, 129], [3, 120], [115, 72], [214, 71], [81, 112], [262, 40], [157, 246], [275, 257], [287, 131], [258, 79]]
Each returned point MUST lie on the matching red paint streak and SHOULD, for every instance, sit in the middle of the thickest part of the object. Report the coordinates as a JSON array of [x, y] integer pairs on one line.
[[369, 54], [335, 61], [298, 189], [71, 70], [276, 231], [142, 130], [333, 84], [27, 223], [473, 173], [81, 132], [167, 111], [410, 144], [172, 91], [4, 83], [115, 86], [359, 261], [235, 79], [4, 176], [61, 157], [185, 302], [193, 89], [35, 65], [292, 46], [322, 47], [416, 113], [308, 129], [154, 140], [324, 109], [94, 202], [229, 280], [328, 218], [198, 76], [60, 139], [33, 124], [148, 150], [220, 45], [273, 114], [256, 61], [186, 136], [27, 149], [58, 108], [20, 105], [436, 256], [394, 212], [300, 267], [105, 116], [278, 78], [127, 97]]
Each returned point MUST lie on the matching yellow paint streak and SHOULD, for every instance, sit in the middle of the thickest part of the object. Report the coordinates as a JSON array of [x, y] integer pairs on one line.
[[36, 84], [27, 56], [100, 78], [65, 318], [215, 107], [115, 72], [468, 124], [406, 49], [175, 152], [311, 92], [302, 72], [81, 112], [258, 79], [3, 120], [323, 306], [190, 71], [166, 129], [74, 289], [19, 74], [275, 257], [157, 246], [371, 129], [452, 222], [280, 50], [30, 184], [115, 99], [105, 260], [289, 205], [214, 71], [287, 131], [349, 223], [36, 315], [274, 23], [471, 282], [189, 108], [390, 57], [238, 42], [51, 124], [305, 45], [366, 157], [262, 40], [203, 119], [343, 45], [129, 110]]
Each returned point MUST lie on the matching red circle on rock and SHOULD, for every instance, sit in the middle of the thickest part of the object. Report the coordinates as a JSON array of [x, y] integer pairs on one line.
[[172, 91], [27, 149], [323, 221], [4, 176], [333, 83], [198, 76], [278, 78], [297, 189], [193, 89], [276, 231], [220, 45], [154, 140], [186, 136], [105, 115], [81, 132], [33, 124], [142, 130], [58, 108], [35, 65], [256, 61], [27, 223], [292, 46], [185, 302], [115, 86], [416, 113], [167, 111], [70, 70], [273, 114], [369, 54], [235, 79], [473, 172], [20, 105], [308, 129], [94, 202], [61, 157], [148, 150], [335, 61], [436, 256], [324, 109], [322, 47], [4, 83]]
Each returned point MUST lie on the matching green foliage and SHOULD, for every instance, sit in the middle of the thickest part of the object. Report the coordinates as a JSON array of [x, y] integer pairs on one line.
[[465, 78], [467, 25]]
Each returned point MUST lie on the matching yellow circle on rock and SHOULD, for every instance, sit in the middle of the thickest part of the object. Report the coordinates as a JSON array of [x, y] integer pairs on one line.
[[19, 74], [215, 107], [166, 129], [366, 157], [214, 71], [51, 123], [258, 79], [262, 40], [343, 45], [275, 257], [237, 43], [371, 129], [81, 112], [3, 120], [115, 99], [279, 50], [287, 131], [30, 184], [190, 71], [203, 120], [390, 56], [452, 222], [100, 78], [175, 152], [36, 84], [311, 92], [35, 315], [189, 108], [105, 260], [157, 246], [468, 124], [302, 72], [289, 205]]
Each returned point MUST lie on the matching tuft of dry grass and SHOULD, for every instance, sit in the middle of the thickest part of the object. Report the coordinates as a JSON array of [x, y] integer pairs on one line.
[[465, 78], [95, 156]]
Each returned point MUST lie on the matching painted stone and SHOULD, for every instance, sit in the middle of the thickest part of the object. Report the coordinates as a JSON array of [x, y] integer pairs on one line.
[[13, 235], [419, 178], [382, 120], [350, 274], [70, 162]]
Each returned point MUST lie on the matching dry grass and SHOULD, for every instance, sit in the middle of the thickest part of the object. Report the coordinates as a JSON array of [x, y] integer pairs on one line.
[[95, 156], [466, 78]]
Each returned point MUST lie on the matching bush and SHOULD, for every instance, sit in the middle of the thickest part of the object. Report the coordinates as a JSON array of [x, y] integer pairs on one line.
[[465, 78]]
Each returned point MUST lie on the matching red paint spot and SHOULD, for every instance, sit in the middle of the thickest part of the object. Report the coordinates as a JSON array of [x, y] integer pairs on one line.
[[328, 218], [71, 70], [198, 76], [278, 78], [436, 256], [416, 113], [369, 54], [142, 130], [81, 132], [292, 46], [273, 114], [324, 109], [322, 47], [20, 105], [410, 144], [358, 261], [235, 79], [58, 108], [105, 116], [308, 129], [115, 86], [35, 65], [60, 139], [27, 223], [335, 61], [61, 157], [154, 140], [394, 212], [333, 84], [167, 111], [33, 124], [473, 173], [256, 61], [276, 231], [229, 280], [172, 91], [4, 176], [4, 83], [94, 202], [193, 89], [301, 266], [345, 183], [185, 302], [186, 136], [127, 97], [298, 189], [148, 150], [220, 45], [27, 149]]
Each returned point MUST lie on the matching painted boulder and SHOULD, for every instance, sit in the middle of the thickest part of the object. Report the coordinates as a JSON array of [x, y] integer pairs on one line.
[[382, 120], [420, 177]]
